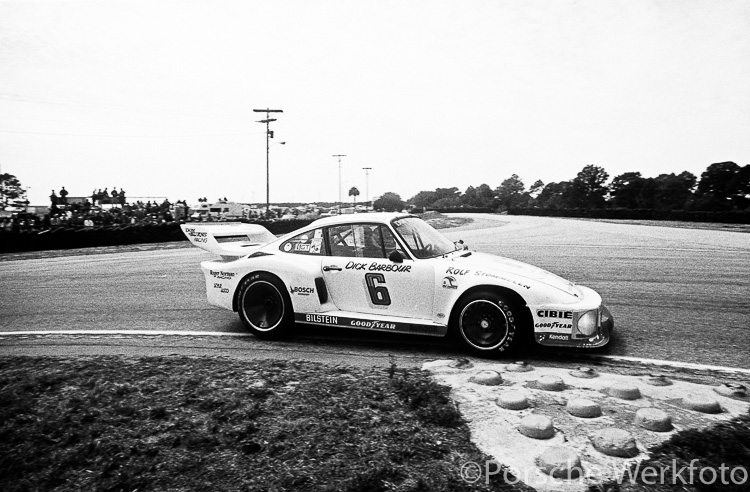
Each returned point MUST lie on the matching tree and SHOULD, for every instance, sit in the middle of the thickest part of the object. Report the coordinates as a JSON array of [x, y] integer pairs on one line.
[[469, 198], [723, 186], [536, 188], [587, 190], [423, 199], [355, 193], [673, 192], [485, 196], [389, 202], [742, 188], [10, 189], [510, 193], [552, 195], [440, 198], [626, 190], [447, 198]]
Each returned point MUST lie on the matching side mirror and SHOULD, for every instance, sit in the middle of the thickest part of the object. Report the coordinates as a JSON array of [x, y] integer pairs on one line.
[[460, 245], [396, 257]]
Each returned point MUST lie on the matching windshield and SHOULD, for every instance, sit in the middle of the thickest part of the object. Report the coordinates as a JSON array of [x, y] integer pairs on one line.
[[422, 239]]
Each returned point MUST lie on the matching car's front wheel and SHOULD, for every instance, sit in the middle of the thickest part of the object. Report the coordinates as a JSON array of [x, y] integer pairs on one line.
[[486, 323], [264, 306]]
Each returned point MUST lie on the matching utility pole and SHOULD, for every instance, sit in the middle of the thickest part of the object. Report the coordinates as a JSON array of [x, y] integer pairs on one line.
[[367, 185], [269, 135], [339, 156], [2, 190]]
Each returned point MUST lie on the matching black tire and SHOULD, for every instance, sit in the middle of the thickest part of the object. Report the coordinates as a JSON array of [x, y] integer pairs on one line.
[[486, 323], [264, 306]]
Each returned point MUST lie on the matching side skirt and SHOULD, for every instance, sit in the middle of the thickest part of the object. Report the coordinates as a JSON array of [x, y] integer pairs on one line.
[[358, 322]]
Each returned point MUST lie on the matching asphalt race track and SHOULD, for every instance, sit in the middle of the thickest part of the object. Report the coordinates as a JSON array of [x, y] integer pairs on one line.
[[676, 294]]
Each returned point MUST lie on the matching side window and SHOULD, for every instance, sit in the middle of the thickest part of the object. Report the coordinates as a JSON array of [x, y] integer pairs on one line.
[[341, 239], [390, 243], [369, 241], [357, 241], [307, 243]]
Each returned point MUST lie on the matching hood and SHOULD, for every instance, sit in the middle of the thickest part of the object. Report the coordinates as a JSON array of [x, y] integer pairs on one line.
[[516, 270]]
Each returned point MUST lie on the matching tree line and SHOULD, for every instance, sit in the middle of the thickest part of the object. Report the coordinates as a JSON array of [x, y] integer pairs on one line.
[[723, 186]]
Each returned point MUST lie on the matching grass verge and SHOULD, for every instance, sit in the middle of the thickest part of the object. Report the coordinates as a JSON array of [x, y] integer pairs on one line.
[[713, 459], [119, 424]]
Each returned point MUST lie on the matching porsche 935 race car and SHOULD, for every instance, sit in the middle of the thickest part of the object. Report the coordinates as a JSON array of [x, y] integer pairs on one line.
[[392, 273]]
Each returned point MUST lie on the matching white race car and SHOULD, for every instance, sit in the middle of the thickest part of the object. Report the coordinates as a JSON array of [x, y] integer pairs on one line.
[[392, 273]]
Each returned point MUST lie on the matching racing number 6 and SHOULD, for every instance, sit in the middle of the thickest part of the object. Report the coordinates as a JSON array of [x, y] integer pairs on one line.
[[378, 293]]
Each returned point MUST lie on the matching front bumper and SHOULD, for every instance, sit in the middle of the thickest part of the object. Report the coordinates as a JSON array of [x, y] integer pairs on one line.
[[586, 323], [600, 338]]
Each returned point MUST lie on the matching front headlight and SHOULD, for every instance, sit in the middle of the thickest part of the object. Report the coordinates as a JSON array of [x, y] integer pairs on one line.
[[588, 322]]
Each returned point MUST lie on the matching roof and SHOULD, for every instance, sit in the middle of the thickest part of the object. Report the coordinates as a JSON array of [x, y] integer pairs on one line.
[[380, 217]]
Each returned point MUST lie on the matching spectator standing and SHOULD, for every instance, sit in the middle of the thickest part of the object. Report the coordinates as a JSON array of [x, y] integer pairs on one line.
[[115, 196], [54, 200], [64, 196]]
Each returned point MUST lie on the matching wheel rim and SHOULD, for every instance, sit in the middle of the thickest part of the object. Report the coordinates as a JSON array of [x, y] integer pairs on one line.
[[263, 306], [484, 324]]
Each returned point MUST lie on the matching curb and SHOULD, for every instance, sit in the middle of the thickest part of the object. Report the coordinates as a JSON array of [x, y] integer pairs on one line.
[[539, 418]]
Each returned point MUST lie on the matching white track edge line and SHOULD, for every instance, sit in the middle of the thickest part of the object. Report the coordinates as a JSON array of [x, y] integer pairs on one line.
[[126, 332]]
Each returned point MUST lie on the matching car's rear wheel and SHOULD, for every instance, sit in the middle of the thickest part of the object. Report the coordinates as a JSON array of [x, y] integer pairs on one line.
[[486, 323], [264, 306]]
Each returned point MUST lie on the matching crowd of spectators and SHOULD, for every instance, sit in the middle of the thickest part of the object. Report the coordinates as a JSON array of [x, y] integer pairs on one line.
[[105, 209]]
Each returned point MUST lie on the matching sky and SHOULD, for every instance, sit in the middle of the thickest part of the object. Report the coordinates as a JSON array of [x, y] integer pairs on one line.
[[157, 97]]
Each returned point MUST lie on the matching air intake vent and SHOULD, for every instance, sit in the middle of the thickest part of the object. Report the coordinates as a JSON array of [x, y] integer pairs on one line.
[[320, 285]]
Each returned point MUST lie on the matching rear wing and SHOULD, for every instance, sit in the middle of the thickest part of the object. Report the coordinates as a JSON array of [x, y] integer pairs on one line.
[[229, 240]]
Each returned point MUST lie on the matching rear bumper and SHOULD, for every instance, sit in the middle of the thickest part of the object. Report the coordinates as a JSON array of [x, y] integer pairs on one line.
[[221, 283]]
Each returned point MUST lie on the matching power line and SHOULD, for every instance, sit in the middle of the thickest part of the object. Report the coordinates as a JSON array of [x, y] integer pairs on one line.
[[191, 135]]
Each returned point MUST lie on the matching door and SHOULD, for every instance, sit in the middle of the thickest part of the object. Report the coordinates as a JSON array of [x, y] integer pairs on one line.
[[361, 279]]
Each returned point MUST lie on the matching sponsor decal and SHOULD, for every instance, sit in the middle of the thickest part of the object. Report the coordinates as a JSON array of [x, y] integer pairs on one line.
[[390, 268], [544, 313], [316, 246], [558, 337], [302, 247], [480, 273], [196, 237], [449, 283], [322, 318], [288, 247], [457, 271], [554, 324], [372, 324], [303, 291], [220, 274], [378, 267], [222, 289], [367, 324]]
